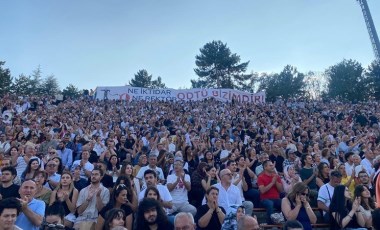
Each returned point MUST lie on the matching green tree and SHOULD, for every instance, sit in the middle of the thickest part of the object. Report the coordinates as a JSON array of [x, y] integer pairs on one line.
[[23, 85], [373, 73], [287, 84], [217, 67], [50, 85], [346, 81], [71, 92], [143, 79], [5, 80], [158, 84], [37, 81]]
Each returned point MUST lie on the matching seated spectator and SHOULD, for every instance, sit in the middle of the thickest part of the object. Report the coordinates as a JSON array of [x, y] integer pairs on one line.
[[308, 176], [270, 187], [250, 194], [53, 176], [127, 170], [114, 218], [230, 222], [248, 223], [10, 208], [131, 194], [66, 195], [54, 216], [85, 166], [367, 203], [211, 177], [79, 182], [295, 206], [32, 210], [323, 174], [290, 178], [184, 220], [326, 193], [91, 200], [152, 166], [65, 154], [210, 215], [151, 180], [42, 192], [344, 213], [107, 180], [151, 216], [8, 188], [363, 179], [33, 166], [197, 192], [178, 185], [347, 181], [118, 200]]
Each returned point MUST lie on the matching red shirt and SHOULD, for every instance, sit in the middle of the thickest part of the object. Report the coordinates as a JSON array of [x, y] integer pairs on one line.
[[265, 179]]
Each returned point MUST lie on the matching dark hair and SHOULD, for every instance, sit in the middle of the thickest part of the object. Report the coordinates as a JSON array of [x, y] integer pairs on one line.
[[127, 183], [210, 189], [376, 219], [10, 169], [100, 170], [266, 162], [109, 164], [150, 171], [112, 214], [320, 169], [358, 193], [292, 224], [116, 192], [153, 189], [229, 162], [56, 209], [43, 173], [11, 203], [347, 155], [28, 168], [60, 165], [338, 205], [145, 205], [303, 158]]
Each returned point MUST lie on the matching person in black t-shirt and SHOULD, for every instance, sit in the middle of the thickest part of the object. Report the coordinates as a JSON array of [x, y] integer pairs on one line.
[[8, 188], [151, 215]]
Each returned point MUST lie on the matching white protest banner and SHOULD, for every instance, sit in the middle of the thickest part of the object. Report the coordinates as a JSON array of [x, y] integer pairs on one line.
[[136, 93]]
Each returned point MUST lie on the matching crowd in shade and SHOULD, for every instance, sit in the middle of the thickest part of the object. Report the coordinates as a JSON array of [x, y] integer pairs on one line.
[[107, 164]]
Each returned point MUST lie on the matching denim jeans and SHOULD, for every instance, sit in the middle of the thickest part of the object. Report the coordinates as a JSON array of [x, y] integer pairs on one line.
[[270, 205]]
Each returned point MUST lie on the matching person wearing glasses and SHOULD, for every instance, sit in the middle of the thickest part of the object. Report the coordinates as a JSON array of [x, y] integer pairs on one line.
[[54, 218], [363, 179], [229, 194], [53, 176], [295, 206]]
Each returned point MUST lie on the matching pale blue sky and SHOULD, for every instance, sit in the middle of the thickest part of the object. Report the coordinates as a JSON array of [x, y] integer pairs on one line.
[[93, 43]]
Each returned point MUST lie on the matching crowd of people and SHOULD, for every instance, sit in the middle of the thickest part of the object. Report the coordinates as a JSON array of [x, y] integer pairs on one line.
[[90, 164]]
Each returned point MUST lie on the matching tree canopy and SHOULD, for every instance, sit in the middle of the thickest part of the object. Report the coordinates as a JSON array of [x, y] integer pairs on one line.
[[143, 79], [217, 67]]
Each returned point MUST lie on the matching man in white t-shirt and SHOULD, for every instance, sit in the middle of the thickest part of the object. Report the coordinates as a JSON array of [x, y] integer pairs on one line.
[[150, 177], [225, 152], [178, 185], [152, 165], [326, 193]]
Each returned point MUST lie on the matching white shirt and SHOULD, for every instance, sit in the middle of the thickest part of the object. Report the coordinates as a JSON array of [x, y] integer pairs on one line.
[[368, 166], [164, 194], [228, 198], [349, 168], [158, 170], [179, 193], [325, 194], [88, 166]]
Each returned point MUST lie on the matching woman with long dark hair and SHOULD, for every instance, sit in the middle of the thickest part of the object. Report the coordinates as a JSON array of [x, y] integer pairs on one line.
[[197, 192], [344, 213], [127, 170], [33, 166], [323, 174], [367, 205], [114, 218], [118, 200], [132, 200]]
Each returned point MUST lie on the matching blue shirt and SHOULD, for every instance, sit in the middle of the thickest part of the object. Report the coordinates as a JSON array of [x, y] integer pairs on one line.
[[38, 207], [67, 157]]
